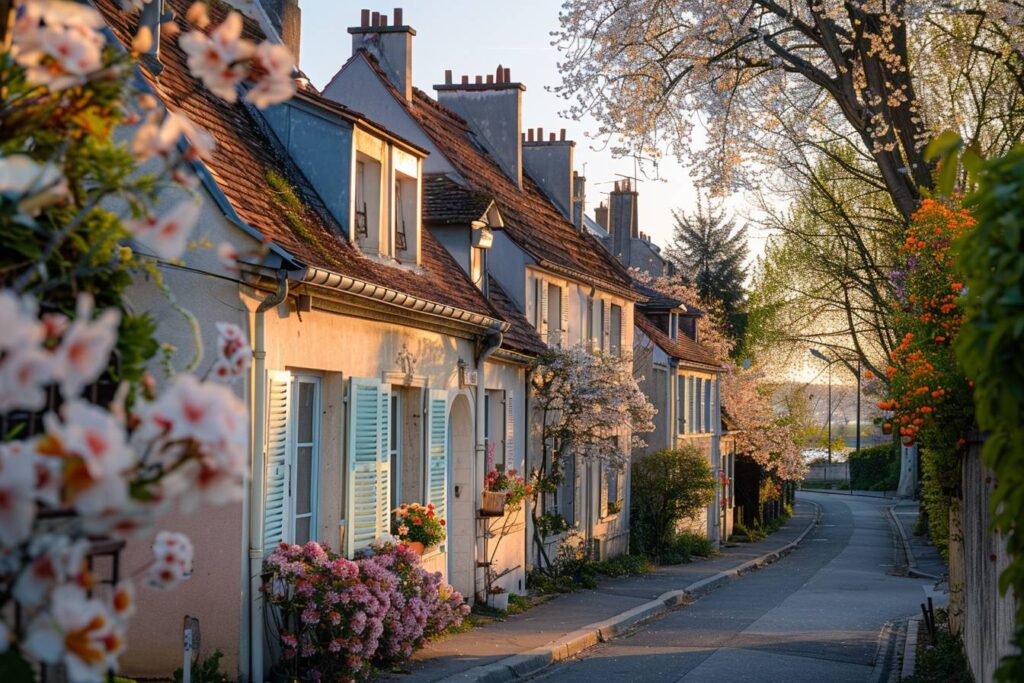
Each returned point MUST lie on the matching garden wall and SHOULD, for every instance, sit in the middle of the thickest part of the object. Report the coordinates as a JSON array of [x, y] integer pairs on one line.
[[977, 557]]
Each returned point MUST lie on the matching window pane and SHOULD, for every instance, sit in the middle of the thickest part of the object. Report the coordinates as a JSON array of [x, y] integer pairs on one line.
[[302, 530], [307, 396], [303, 479], [615, 343]]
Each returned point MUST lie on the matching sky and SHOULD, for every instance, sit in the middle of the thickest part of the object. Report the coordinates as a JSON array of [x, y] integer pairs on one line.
[[473, 38]]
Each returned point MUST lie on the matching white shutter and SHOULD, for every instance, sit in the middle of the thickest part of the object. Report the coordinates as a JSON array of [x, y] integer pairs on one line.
[[369, 489], [542, 316], [602, 504], [606, 323], [437, 451], [510, 441], [276, 461], [563, 310]]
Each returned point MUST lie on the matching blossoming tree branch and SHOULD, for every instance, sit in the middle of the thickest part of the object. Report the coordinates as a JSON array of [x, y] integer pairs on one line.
[[97, 188]]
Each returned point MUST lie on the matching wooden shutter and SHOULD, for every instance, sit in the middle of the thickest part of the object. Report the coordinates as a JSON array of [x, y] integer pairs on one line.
[[563, 324], [437, 451], [277, 456], [510, 441], [369, 484]]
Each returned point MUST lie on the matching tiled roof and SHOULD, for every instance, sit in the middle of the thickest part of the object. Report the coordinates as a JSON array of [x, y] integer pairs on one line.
[[447, 202], [655, 299], [531, 221], [681, 348], [247, 160], [521, 336]]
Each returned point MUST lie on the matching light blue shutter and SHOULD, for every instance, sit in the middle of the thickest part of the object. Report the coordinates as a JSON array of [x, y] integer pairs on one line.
[[510, 432], [369, 407], [437, 451], [276, 481]]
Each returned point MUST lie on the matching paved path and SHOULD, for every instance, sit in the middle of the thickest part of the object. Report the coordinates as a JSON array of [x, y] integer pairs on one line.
[[814, 616], [566, 613]]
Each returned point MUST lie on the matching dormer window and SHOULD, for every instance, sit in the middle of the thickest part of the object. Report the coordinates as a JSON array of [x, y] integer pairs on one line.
[[367, 203], [386, 200]]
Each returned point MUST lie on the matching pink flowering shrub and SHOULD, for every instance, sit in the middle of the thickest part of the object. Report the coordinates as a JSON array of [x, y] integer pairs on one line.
[[422, 603], [334, 617], [329, 614]]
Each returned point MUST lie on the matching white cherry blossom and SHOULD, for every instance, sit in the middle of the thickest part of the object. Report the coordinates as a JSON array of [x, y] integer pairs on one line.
[[275, 83], [167, 235], [159, 137], [54, 560], [17, 494], [85, 349], [79, 632], [219, 59]]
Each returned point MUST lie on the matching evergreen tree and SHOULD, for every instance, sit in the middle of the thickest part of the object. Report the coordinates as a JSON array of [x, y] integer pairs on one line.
[[710, 250]]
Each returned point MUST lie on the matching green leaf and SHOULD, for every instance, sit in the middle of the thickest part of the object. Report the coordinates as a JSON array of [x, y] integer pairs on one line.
[[14, 668], [943, 146]]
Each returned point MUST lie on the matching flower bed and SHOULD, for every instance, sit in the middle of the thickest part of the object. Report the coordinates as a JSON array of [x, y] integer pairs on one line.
[[335, 619]]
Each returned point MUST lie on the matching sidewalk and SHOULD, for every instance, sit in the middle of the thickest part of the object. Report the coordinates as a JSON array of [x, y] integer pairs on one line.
[[922, 556], [460, 654]]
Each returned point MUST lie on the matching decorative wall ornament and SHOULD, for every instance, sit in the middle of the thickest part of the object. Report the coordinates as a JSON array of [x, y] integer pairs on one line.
[[407, 364]]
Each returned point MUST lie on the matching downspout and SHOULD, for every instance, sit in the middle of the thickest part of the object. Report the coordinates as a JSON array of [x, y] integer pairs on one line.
[[528, 533], [487, 345], [254, 562]]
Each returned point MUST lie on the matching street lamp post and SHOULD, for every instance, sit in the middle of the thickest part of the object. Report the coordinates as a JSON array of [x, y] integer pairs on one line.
[[828, 362]]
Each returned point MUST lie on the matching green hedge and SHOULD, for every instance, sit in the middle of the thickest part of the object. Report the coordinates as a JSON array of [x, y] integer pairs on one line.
[[876, 468]]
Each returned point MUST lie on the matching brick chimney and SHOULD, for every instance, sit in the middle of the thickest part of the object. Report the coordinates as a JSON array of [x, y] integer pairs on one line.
[[493, 108], [579, 199], [549, 163], [601, 215], [622, 219], [390, 43]]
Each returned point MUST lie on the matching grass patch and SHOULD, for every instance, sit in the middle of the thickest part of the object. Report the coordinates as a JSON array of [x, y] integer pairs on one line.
[[585, 574], [943, 659], [685, 546], [759, 531]]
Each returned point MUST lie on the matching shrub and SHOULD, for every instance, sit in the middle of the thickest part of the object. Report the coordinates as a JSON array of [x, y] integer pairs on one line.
[[333, 617], [693, 544], [205, 671], [421, 604], [669, 486], [876, 468]]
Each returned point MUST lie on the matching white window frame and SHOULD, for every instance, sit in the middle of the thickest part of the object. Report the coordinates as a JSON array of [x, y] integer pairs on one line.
[[293, 457], [395, 454]]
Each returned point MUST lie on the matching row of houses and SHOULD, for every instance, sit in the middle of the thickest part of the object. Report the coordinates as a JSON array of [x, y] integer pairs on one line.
[[406, 257]]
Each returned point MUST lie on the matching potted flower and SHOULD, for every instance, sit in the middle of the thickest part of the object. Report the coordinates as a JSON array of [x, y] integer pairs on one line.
[[418, 526], [503, 489]]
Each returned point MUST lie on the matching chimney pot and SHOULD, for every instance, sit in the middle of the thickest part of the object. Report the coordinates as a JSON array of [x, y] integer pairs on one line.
[[498, 75], [490, 79], [465, 79], [364, 18], [479, 80], [561, 134], [398, 16], [448, 76], [507, 75], [383, 20], [375, 19], [529, 134], [540, 134]]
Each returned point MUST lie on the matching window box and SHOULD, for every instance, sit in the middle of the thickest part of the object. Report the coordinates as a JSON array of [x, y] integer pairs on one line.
[[492, 503]]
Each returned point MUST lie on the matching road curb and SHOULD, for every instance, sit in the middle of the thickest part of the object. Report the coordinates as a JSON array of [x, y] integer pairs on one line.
[[910, 649], [571, 644], [912, 569]]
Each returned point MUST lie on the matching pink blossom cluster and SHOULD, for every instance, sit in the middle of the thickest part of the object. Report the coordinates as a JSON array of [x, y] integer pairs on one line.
[[334, 616]]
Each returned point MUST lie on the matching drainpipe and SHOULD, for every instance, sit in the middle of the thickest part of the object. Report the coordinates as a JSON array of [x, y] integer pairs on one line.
[[486, 346], [254, 562], [528, 522]]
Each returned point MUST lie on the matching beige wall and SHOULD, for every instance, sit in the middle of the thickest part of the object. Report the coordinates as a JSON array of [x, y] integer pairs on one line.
[[213, 594]]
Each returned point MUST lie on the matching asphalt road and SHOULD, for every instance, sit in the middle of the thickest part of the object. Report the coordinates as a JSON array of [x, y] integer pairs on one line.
[[814, 616]]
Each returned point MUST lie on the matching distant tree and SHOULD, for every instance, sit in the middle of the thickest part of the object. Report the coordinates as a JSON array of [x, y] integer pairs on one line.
[[711, 251]]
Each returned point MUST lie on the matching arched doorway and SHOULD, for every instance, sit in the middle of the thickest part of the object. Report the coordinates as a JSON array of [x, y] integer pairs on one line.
[[461, 496]]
